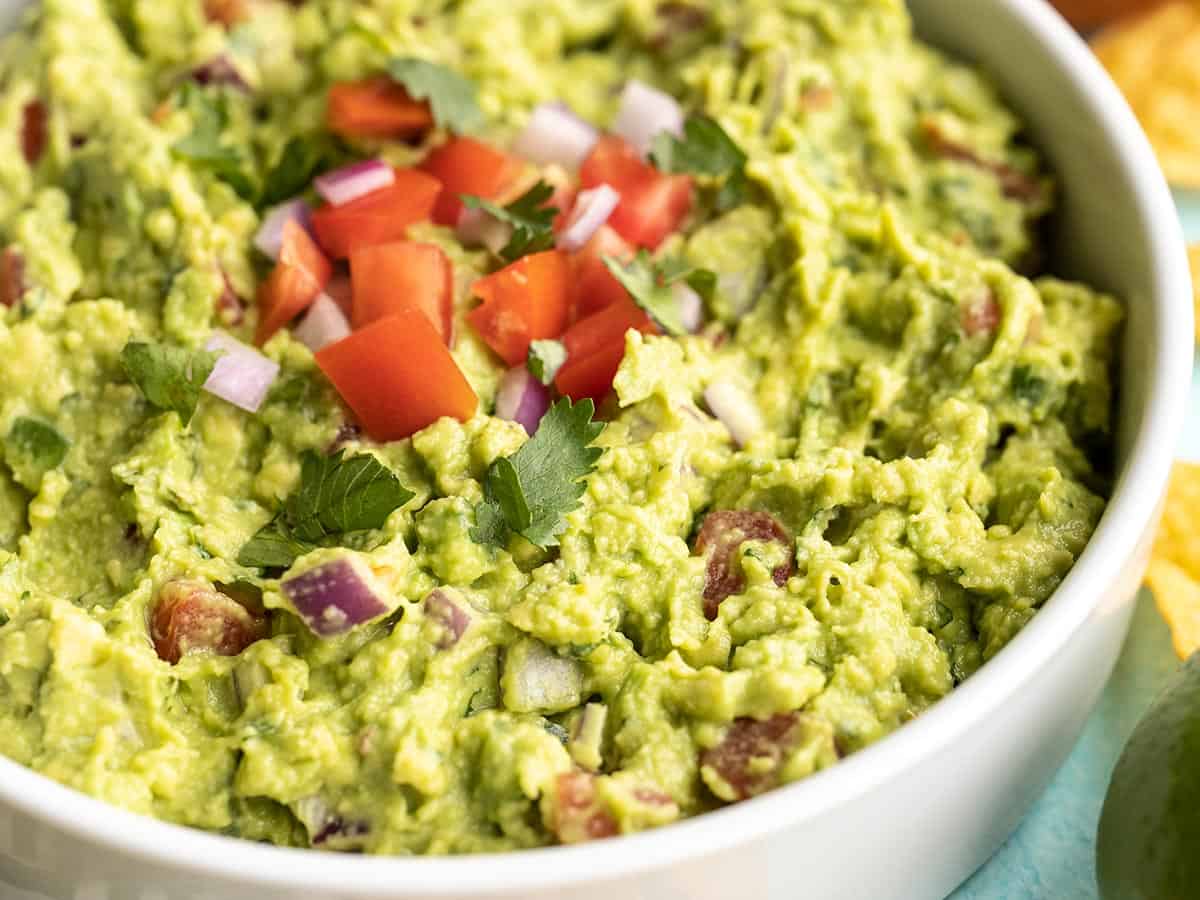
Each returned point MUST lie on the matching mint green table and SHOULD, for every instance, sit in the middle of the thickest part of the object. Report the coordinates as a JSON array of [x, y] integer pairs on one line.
[[1051, 855]]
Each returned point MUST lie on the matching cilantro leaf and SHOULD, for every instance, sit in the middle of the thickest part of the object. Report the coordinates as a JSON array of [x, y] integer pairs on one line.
[[532, 221], [649, 284], [531, 492], [336, 495], [301, 159], [204, 148], [545, 359], [704, 149], [169, 377], [37, 441], [451, 96]]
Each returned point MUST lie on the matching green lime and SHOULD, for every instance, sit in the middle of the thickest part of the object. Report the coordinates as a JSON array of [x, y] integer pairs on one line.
[[1148, 847]]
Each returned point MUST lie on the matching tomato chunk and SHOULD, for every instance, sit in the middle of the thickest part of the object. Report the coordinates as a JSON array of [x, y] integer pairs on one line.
[[375, 107], [379, 217], [398, 376], [226, 12], [12, 276], [299, 275], [722, 532], [193, 617], [33, 131], [403, 275], [466, 166], [980, 314], [595, 347], [523, 302], [653, 204], [749, 757], [595, 287], [578, 814]]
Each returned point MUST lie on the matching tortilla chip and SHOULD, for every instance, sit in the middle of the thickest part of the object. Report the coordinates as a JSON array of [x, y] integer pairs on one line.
[[1155, 59], [1194, 259], [1174, 572]]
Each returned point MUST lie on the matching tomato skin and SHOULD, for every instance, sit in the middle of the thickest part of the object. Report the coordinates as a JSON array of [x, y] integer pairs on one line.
[[301, 273], [33, 131], [595, 287], [397, 376], [379, 217], [523, 302], [403, 275], [193, 617], [466, 166], [653, 204], [595, 347], [375, 107]]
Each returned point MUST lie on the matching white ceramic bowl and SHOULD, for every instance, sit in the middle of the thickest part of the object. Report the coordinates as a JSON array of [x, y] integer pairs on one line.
[[909, 817]]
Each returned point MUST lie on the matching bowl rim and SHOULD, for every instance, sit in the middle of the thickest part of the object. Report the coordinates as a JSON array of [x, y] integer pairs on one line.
[[1129, 513]]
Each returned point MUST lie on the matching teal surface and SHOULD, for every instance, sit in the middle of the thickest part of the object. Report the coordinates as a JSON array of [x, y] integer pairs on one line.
[[1050, 857]]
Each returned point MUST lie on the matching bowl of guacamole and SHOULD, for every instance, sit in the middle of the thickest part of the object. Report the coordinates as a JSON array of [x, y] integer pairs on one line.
[[453, 429]]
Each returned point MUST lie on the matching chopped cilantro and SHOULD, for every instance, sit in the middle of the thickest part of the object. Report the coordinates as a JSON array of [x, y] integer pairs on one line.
[[37, 441], [1026, 386], [204, 147], [531, 492], [532, 221], [649, 284], [301, 159], [451, 97], [336, 496], [704, 149], [545, 359], [169, 377]]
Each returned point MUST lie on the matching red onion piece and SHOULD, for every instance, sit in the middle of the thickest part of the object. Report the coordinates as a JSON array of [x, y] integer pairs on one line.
[[353, 181], [242, 375], [334, 597], [691, 306], [644, 113], [522, 399], [479, 228], [323, 324], [556, 135], [446, 610], [592, 209], [220, 70], [736, 411], [328, 829], [269, 238]]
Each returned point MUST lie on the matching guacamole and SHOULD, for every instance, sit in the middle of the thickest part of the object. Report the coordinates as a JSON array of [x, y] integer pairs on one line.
[[847, 439]]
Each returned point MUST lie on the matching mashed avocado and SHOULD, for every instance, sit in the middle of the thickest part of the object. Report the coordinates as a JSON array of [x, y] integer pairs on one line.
[[922, 424]]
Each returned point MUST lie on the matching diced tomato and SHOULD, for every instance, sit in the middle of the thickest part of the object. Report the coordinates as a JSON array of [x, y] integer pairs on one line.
[[466, 166], [375, 107], [653, 204], [980, 314], [12, 276], [226, 12], [379, 217], [300, 274], [398, 376], [523, 302], [595, 287], [721, 534], [595, 347], [577, 814], [403, 275], [749, 758], [193, 617], [33, 131]]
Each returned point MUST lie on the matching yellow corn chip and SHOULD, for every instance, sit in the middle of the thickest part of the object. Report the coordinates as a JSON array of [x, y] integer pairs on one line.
[[1194, 259], [1174, 572], [1155, 59]]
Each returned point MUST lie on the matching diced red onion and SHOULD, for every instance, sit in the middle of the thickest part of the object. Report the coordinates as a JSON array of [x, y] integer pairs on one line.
[[540, 680], [220, 70], [556, 135], [691, 306], [269, 238], [241, 375], [736, 411], [323, 324], [334, 597], [328, 829], [442, 607], [592, 209], [353, 181], [522, 399], [479, 228], [644, 113]]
